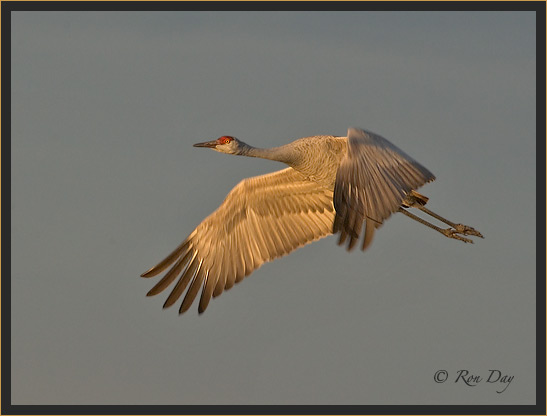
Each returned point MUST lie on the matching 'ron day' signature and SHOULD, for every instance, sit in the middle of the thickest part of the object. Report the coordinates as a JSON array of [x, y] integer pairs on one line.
[[472, 380]]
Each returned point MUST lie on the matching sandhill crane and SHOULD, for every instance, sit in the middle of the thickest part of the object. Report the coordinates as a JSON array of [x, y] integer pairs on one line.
[[332, 185]]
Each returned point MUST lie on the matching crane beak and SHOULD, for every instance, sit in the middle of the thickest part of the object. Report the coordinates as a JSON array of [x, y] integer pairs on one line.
[[207, 144]]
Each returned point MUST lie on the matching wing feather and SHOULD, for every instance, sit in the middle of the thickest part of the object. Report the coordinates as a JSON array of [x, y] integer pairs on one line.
[[171, 275], [222, 271], [182, 283], [262, 218], [371, 183], [193, 290], [207, 292]]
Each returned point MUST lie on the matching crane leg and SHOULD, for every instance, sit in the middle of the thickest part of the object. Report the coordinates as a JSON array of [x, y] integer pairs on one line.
[[417, 200], [460, 228], [447, 232]]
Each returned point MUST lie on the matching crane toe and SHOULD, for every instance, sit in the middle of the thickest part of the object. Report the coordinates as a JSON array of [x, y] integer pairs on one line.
[[452, 233], [467, 230]]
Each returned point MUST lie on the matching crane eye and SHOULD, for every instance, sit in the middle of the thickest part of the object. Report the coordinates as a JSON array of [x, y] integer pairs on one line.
[[226, 139]]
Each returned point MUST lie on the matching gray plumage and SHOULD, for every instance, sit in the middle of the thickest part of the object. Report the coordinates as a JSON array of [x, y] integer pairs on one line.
[[332, 185]]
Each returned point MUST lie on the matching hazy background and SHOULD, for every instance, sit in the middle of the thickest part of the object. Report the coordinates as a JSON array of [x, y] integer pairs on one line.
[[105, 183]]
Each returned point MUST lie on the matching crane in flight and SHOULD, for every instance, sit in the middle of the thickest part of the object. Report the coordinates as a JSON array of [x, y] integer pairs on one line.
[[333, 185]]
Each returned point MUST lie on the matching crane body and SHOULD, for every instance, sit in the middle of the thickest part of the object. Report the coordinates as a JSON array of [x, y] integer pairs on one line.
[[333, 185]]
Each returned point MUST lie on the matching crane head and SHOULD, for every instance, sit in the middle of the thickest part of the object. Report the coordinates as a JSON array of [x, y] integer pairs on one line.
[[224, 144]]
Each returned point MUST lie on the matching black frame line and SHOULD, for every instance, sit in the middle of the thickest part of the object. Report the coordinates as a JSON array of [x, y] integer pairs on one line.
[[7, 408]]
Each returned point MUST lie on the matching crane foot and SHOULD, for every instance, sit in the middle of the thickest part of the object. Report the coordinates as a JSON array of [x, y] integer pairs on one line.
[[467, 230], [452, 233]]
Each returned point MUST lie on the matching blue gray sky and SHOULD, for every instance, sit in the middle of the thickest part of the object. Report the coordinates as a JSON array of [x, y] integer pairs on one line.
[[105, 183]]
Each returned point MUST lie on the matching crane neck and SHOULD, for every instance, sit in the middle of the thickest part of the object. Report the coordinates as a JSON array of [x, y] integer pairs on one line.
[[284, 154]]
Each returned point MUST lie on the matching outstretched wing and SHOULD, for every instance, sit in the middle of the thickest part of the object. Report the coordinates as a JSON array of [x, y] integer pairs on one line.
[[262, 218], [373, 179]]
